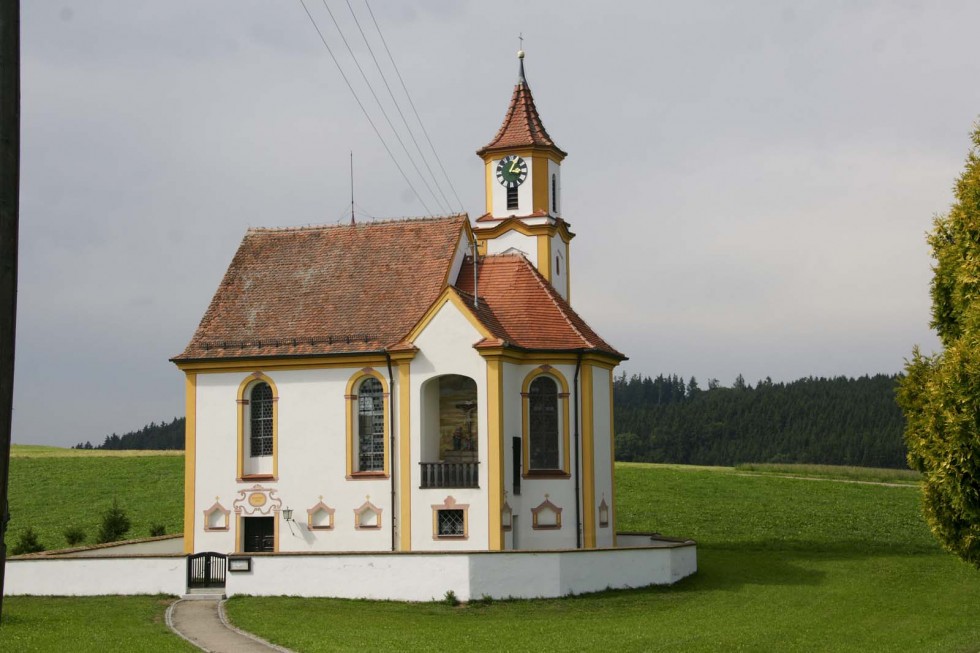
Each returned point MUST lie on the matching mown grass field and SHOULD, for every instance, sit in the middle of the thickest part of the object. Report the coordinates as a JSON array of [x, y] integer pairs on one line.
[[786, 564], [51, 488]]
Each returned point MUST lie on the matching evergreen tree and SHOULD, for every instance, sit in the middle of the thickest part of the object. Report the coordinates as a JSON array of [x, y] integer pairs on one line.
[[115, 524], [940, 394]]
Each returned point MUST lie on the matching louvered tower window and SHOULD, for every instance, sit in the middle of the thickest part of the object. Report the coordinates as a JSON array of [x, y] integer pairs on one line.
[[512, 199]]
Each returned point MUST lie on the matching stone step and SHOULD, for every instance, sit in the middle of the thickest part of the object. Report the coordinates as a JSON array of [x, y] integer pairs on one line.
[[204, 595]]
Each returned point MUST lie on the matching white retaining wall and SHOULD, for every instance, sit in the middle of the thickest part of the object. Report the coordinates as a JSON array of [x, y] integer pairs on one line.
[[427, 577], [382, 576], [49, 576]]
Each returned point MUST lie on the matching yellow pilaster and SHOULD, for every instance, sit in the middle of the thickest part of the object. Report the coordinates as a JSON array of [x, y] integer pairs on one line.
[[544, 256], [588, 458], [404, 458], [612, 461], [490, 182], [495, 452], [190, 458]]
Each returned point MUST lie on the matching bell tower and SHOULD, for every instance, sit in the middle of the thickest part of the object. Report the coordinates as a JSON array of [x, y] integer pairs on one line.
[[523, 191]]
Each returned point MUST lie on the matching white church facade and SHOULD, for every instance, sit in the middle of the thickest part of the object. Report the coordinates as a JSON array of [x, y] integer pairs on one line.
[[396, 410], [372, 387]]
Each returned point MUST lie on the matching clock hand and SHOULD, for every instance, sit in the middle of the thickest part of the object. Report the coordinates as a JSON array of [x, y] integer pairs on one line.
[[513, 170]]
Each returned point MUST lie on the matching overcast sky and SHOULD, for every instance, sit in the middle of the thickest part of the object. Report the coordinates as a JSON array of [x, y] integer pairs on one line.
[[750, 183]]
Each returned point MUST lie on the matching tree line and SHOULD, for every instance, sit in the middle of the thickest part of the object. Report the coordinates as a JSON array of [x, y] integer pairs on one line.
[[165, 435], [835, 421]]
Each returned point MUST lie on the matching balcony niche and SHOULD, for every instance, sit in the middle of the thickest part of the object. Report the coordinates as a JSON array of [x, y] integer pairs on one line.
[[450, 432]]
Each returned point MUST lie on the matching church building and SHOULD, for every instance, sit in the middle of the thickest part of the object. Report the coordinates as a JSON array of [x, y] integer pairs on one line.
[[406, 385]]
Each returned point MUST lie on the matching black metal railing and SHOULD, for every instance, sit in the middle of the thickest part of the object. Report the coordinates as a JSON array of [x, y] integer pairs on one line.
[[450, 475]]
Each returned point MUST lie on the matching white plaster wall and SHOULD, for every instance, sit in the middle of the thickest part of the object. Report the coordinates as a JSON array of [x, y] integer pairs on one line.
[[424, 577], [560, 491], [401, 577], [165, 545], [463, 247], [560, 281], [312, 450], [499, 193], [381, 576], [446, 347], [527, 244], [601, 411], [96, 576]]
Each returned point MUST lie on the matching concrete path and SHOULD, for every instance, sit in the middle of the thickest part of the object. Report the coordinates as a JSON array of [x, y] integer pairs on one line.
[[203, 624]]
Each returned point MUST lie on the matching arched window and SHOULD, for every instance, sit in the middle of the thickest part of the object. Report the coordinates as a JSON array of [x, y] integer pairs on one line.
[[544, 450], [260, 420], [258, 400], [370, 426]]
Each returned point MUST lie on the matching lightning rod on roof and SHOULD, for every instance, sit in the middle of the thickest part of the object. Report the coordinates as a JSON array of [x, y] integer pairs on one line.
[[352, 187]]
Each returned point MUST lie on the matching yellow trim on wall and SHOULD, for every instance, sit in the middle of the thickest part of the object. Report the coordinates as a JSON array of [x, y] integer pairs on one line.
[[350, 400], [523, 152], [489, 185], [588, 458], [495, 454], [272, 364], [540, 200], [563, 394], [405, 455], [517, 224], [596, 359], [276, 518], [612, 462], [190, 458], [241, 403], [544, 256]]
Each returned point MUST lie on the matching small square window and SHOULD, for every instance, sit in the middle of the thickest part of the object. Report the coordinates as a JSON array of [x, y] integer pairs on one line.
[[451, 523]]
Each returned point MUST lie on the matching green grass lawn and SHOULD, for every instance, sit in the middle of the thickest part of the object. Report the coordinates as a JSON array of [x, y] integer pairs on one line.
[[52, 488], [785, 564], [97, 624]]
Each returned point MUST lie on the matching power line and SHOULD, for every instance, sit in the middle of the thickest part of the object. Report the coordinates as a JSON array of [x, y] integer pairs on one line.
[[417, 117], [381, 106], [394, 101], [363, 110]]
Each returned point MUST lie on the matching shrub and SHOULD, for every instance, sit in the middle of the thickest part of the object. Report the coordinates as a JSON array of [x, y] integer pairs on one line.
[[27, 543], [450, 598], [157, 529], [115, 524], [74, 535]]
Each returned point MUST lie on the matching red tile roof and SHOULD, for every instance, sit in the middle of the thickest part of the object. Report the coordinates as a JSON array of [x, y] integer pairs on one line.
[[520, 308], [326, 290], [522, 125]]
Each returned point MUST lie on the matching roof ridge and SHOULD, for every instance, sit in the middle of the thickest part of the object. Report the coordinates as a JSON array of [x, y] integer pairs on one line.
[[552, 294], [379, 222]]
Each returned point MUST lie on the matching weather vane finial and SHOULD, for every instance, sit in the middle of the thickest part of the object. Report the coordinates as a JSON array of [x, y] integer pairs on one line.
[[520, 56]]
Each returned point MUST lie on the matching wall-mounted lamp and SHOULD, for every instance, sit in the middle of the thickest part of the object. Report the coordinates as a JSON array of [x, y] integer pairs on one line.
[[506, 517], [287, 514], [603, 514]]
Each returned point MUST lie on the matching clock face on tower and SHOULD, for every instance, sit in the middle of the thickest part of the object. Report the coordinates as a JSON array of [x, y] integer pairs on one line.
[[511, 171]]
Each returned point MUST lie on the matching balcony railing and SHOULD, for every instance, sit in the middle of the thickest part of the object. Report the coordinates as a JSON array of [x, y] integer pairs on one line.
[[450, 475]]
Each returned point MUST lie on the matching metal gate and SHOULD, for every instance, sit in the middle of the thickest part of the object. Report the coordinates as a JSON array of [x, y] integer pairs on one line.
[[206, 570]]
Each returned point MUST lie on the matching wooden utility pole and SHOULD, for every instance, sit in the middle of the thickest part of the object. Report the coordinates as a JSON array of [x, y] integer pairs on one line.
[[9, 214]]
